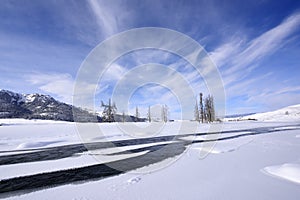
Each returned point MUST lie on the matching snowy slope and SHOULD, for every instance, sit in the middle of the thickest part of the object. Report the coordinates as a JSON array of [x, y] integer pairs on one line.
[[287, 114], [263, 166]]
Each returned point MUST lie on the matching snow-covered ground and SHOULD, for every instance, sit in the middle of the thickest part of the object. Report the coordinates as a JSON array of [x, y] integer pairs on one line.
[[287, 114], [253, 166]]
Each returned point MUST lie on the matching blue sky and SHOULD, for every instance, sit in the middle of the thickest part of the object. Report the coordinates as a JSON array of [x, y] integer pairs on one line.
[[255, 45]]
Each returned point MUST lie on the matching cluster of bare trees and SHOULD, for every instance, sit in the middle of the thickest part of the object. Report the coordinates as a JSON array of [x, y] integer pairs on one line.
[[110, 110], [164, 113], [205, 112]]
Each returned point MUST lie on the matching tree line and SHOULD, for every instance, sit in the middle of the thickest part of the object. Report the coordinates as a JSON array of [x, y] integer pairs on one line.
[[109, 113], [203, 112]]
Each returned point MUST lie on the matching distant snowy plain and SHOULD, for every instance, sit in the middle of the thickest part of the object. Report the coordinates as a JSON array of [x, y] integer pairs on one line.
[[251, 166]]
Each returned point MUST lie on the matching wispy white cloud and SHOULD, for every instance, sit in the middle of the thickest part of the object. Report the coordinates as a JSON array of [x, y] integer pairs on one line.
[[105, 19], [247, 87], [169, 85], [265, 44], [223, 54], [276, 99], [114, 72], [60, 85], [155, 96], [111, 18], [238, 57], [271, 93]]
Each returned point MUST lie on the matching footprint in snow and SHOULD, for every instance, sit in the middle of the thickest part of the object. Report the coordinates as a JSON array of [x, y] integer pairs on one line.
[[134, 180], [126, 184]]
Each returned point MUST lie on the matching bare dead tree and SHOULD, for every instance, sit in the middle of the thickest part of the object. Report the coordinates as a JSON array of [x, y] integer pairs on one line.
[[201, 108], [109, 111], [137, 114], [196, 112], [164, 113], [213, 112], [123, 117], [149, 114], [209, 108]]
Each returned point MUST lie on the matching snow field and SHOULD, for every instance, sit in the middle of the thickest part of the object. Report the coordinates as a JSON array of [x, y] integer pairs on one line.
[[249, 167]]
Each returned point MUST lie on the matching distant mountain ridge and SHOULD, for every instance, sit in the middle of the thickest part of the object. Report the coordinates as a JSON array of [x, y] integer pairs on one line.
[[39, 106], [239, 115]]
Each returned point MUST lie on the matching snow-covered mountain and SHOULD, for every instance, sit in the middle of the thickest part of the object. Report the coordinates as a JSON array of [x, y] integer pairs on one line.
[[290, 113], [38, 106]]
